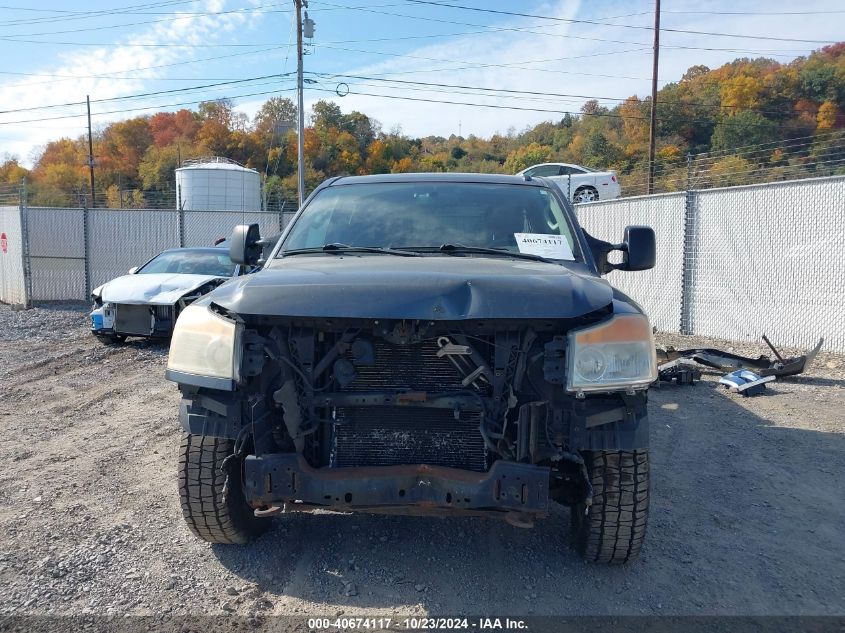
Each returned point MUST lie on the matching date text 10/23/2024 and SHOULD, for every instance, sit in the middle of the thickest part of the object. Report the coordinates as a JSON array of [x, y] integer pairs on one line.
[[416, 624]]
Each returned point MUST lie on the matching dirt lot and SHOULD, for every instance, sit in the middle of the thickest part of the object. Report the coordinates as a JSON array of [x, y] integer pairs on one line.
[[747, 516]]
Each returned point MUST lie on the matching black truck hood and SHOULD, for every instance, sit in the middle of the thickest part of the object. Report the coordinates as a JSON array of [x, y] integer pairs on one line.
[[441, 288]]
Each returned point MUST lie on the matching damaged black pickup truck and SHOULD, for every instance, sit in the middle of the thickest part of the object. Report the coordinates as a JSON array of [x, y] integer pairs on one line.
[[421, 344]]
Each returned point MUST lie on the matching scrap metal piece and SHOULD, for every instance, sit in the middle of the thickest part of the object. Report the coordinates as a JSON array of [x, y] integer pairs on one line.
[[681, 371], [469, 362], [728, 362], [745, 382]]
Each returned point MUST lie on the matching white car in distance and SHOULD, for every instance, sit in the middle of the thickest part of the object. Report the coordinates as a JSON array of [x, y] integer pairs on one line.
[[584, 184]]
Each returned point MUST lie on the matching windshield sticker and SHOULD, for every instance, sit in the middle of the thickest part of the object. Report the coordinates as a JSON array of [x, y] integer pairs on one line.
[[551, 246]]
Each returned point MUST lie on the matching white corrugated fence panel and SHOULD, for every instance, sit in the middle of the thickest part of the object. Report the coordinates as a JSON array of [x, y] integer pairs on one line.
[[121, 239], [57, 253], [767, 259], [12, 281], [658, 291], [202, 228]]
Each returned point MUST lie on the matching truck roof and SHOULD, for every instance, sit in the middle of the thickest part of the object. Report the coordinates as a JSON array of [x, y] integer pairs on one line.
[[500, 179]]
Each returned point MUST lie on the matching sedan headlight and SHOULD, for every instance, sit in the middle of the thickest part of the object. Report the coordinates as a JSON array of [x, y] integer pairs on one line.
[[612, 355], [203, 344]]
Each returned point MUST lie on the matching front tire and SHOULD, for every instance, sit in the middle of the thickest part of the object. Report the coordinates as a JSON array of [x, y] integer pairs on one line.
[[201, 492], [111, 339], [613, 528]]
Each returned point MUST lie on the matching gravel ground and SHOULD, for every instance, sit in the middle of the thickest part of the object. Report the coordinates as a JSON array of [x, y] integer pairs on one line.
[[748, 507]]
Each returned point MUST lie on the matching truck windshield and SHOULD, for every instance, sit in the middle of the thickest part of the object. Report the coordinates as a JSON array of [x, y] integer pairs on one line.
[[427, 215]]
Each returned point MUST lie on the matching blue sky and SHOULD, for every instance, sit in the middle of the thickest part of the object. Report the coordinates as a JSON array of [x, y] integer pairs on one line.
[[55, 52]]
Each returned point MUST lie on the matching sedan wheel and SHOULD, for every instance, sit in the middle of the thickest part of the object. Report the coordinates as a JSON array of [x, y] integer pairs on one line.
[[586, 194]]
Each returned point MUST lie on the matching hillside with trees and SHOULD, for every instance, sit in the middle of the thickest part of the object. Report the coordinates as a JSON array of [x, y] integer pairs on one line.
[[748, 102]]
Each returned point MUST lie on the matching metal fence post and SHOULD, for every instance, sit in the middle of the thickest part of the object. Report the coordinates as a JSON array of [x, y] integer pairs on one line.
[[689, 250], [282, 216], [26, 262], [86, 247], [181, 227]]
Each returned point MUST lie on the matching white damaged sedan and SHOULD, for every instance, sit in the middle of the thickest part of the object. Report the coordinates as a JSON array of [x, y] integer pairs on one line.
[[147, 301]]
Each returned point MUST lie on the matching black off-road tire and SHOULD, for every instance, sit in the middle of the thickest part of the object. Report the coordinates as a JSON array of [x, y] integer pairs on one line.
[[201, 493], [612, 530]]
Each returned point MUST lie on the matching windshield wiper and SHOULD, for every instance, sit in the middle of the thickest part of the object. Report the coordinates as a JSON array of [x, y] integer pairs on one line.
[[460, 248], [346, 248]]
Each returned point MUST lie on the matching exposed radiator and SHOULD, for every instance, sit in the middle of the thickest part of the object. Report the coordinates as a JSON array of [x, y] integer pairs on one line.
[[386, 436], [382, 436], [412, 367], [163, 313], [133, 319]]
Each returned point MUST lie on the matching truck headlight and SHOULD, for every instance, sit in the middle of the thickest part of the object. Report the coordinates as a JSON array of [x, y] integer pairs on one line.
[[612, 355], [203, 344]]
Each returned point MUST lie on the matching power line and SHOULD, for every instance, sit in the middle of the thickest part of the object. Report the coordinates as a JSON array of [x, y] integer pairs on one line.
[[772, 52], [520, 108], [76, 15], [515, 65], [623, 26], [154, 107], [403, 82], [173, 17], [144, 94], [112, 75], [755, 12], [82, 15], [128, 45], [535, 93]]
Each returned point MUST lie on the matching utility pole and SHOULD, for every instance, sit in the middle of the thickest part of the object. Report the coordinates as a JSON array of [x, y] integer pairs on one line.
[[90, 152], [652, 132], [300, 114]]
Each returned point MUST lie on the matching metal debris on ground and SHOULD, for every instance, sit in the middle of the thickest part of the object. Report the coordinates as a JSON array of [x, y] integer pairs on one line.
[[684, 366]]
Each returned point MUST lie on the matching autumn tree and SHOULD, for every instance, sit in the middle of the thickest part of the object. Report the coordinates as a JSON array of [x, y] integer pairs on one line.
[[121, 148], [11, 172], [526, 156], [274, 119]]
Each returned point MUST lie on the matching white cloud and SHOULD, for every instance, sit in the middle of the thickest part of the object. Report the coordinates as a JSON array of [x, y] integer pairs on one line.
[[496, 60], [596, 74], [54, 86]]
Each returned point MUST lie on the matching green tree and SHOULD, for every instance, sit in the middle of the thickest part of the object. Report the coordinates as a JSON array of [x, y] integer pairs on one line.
[[744, 128]]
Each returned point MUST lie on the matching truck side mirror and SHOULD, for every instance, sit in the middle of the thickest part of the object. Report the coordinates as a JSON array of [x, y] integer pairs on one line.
[[244, 248], [639, 248], [133, 270]]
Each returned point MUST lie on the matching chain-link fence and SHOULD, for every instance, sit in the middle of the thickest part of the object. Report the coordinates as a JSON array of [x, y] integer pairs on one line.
[[115, 197], [733, 262], [815, 156], [665, 214], [739, 262]]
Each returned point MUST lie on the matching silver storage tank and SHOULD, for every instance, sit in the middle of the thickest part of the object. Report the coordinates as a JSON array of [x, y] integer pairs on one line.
[[217, 184]]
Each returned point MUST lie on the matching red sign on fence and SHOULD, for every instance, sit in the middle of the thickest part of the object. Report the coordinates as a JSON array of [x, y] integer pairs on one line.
[[4, 243]]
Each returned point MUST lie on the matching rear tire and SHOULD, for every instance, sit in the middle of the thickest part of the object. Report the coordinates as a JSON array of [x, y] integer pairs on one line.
[[585, 194], [201, 493], [613, 528]]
